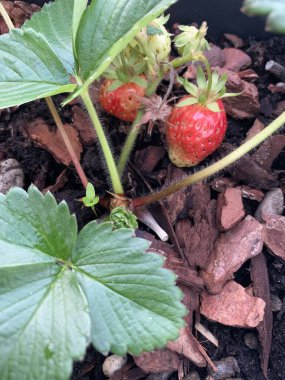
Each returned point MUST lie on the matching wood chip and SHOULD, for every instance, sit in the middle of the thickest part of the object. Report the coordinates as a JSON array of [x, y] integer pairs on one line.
[[81, 121], [236, 59], [273, 203], [177, 202], [248, 75], [249, 172], [147, 159], [233, 307], [60, 182], [188, 346], [269, 151], [235, 40], [244, 106], [158, 361], [52, 141], [257, 127], [261, 289], [19, 11], [230, 208], [231, 250], [275, 234], [216, 56]]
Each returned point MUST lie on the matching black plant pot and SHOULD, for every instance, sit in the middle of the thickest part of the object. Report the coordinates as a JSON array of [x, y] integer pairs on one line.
[[222, 16]]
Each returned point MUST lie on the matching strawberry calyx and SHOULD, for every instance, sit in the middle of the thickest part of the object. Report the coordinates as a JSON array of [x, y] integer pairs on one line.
[[207, 91]]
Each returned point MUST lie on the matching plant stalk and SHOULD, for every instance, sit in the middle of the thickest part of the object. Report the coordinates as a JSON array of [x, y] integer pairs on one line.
[[114, 175], [216, 167], [67, 142], [54, 114]]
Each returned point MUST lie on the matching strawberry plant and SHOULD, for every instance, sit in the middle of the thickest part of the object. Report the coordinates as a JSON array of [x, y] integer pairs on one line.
[[61, 290]]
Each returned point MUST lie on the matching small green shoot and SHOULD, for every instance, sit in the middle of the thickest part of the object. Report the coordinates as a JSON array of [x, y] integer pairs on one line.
[[90, 199]]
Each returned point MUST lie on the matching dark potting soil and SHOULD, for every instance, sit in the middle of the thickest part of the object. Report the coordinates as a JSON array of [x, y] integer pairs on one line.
[[41, 168]]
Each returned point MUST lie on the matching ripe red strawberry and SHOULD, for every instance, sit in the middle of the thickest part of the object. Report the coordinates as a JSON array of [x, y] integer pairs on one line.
[[123, 101], [197, 124], [193, 132]]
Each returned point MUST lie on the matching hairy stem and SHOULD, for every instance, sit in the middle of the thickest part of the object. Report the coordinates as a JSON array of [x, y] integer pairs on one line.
[[54, 114], [113, 172], [216, 167], [67, 142], [129, 143]]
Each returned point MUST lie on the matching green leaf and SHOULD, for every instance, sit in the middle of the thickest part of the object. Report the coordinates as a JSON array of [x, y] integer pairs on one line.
[[90, 191], [201, 78], [187, 102], [214, 107], [107, 26], [230, 94], [140, 81], [59, 291], [189, 87], [78, 9], [273, 9], [55, 22], [44, 321], [133, 304], [29, 69]]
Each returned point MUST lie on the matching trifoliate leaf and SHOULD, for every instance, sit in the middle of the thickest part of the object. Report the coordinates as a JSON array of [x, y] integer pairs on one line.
[[273, 9], [29, 69], [58, 290]]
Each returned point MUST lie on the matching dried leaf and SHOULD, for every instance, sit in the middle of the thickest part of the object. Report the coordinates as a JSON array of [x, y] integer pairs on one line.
[[261, 288], [52, 141]]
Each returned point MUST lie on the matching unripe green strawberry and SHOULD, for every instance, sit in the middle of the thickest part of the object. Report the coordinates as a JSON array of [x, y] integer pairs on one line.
[[156, 39]]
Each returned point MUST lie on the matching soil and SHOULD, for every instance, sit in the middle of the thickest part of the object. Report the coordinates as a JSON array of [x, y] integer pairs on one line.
[[41, 168]]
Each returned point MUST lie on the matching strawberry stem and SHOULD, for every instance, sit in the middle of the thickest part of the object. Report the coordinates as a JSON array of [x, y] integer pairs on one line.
[[210, 78], [216, 167], [113, 172]]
